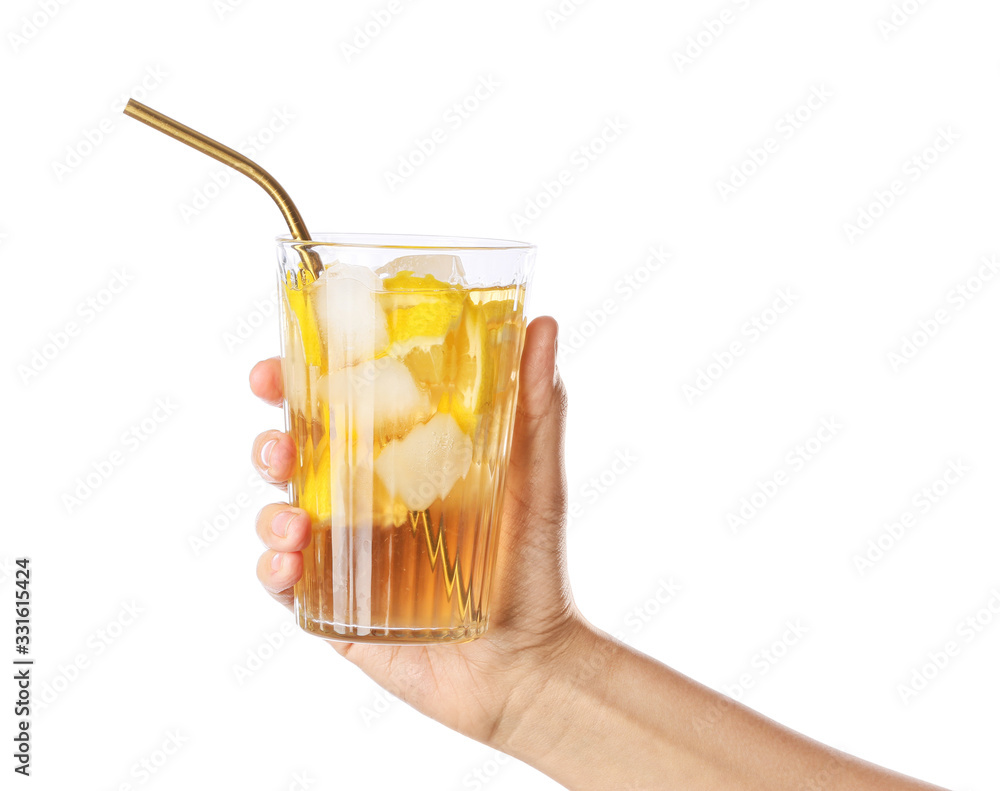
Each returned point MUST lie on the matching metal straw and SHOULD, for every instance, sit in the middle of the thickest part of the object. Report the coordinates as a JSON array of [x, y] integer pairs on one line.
[[235, 160]]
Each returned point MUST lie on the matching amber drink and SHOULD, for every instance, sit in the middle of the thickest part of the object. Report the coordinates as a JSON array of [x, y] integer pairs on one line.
[[400, 375]]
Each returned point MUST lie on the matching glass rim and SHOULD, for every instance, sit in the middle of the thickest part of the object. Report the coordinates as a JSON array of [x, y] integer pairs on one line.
[[399, 241]]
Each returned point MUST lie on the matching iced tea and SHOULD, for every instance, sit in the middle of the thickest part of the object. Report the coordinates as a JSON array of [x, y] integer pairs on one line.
[[400, 387]]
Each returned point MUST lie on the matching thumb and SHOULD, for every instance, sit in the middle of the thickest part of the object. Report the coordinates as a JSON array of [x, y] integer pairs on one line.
[[535, 498]]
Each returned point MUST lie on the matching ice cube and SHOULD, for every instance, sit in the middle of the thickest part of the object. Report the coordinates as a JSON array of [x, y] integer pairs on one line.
[[299, 384], [446, 268], [364, 500], [381, 395], [349, 316], [357, 479], [425, 464], [360, 273]]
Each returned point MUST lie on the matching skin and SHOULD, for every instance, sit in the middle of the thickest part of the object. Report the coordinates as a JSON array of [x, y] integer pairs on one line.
[[543, 684]]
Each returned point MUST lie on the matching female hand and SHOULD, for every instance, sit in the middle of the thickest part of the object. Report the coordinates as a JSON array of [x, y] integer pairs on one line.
[[542, 684], [481, 688]]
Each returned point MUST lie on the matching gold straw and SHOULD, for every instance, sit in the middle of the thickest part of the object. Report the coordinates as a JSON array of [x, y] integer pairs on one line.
[[236, 161]]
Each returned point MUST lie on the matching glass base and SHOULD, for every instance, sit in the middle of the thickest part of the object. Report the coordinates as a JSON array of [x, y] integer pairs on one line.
[[350, 633]]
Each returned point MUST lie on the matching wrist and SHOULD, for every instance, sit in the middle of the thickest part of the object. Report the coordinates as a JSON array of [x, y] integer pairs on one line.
[[606, 716], [558, 687]]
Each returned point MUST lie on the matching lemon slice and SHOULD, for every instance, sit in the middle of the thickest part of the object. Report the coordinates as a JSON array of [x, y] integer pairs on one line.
[[474, 369], [430, 366], [303, 317], [421, 311]]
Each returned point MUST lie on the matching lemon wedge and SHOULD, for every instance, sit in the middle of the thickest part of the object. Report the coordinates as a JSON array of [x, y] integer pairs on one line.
[[469, 396], [304, 319], [421, 311]]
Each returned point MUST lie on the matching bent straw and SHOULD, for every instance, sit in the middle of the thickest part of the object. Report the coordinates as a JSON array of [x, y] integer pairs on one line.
[[238, 162]]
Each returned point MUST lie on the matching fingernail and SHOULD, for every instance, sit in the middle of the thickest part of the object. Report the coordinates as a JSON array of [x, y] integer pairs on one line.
[[280, 523], [276, 561], [265, 452]]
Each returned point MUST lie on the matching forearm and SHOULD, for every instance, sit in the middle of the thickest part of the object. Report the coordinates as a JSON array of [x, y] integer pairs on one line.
[[609, 717]]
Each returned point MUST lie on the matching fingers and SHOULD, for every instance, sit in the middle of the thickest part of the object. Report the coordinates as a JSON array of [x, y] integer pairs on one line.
[[273, 456], [283, 528], [278, 572], [265, 381], [285, 531]]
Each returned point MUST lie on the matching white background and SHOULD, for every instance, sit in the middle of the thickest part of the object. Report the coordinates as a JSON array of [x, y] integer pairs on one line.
[[77, 207]]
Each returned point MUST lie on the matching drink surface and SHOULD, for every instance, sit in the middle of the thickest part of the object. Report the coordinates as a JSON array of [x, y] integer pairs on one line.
[[400, 393]]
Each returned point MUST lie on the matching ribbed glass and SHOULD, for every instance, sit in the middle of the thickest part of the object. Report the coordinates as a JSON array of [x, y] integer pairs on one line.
[[400, 376]]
